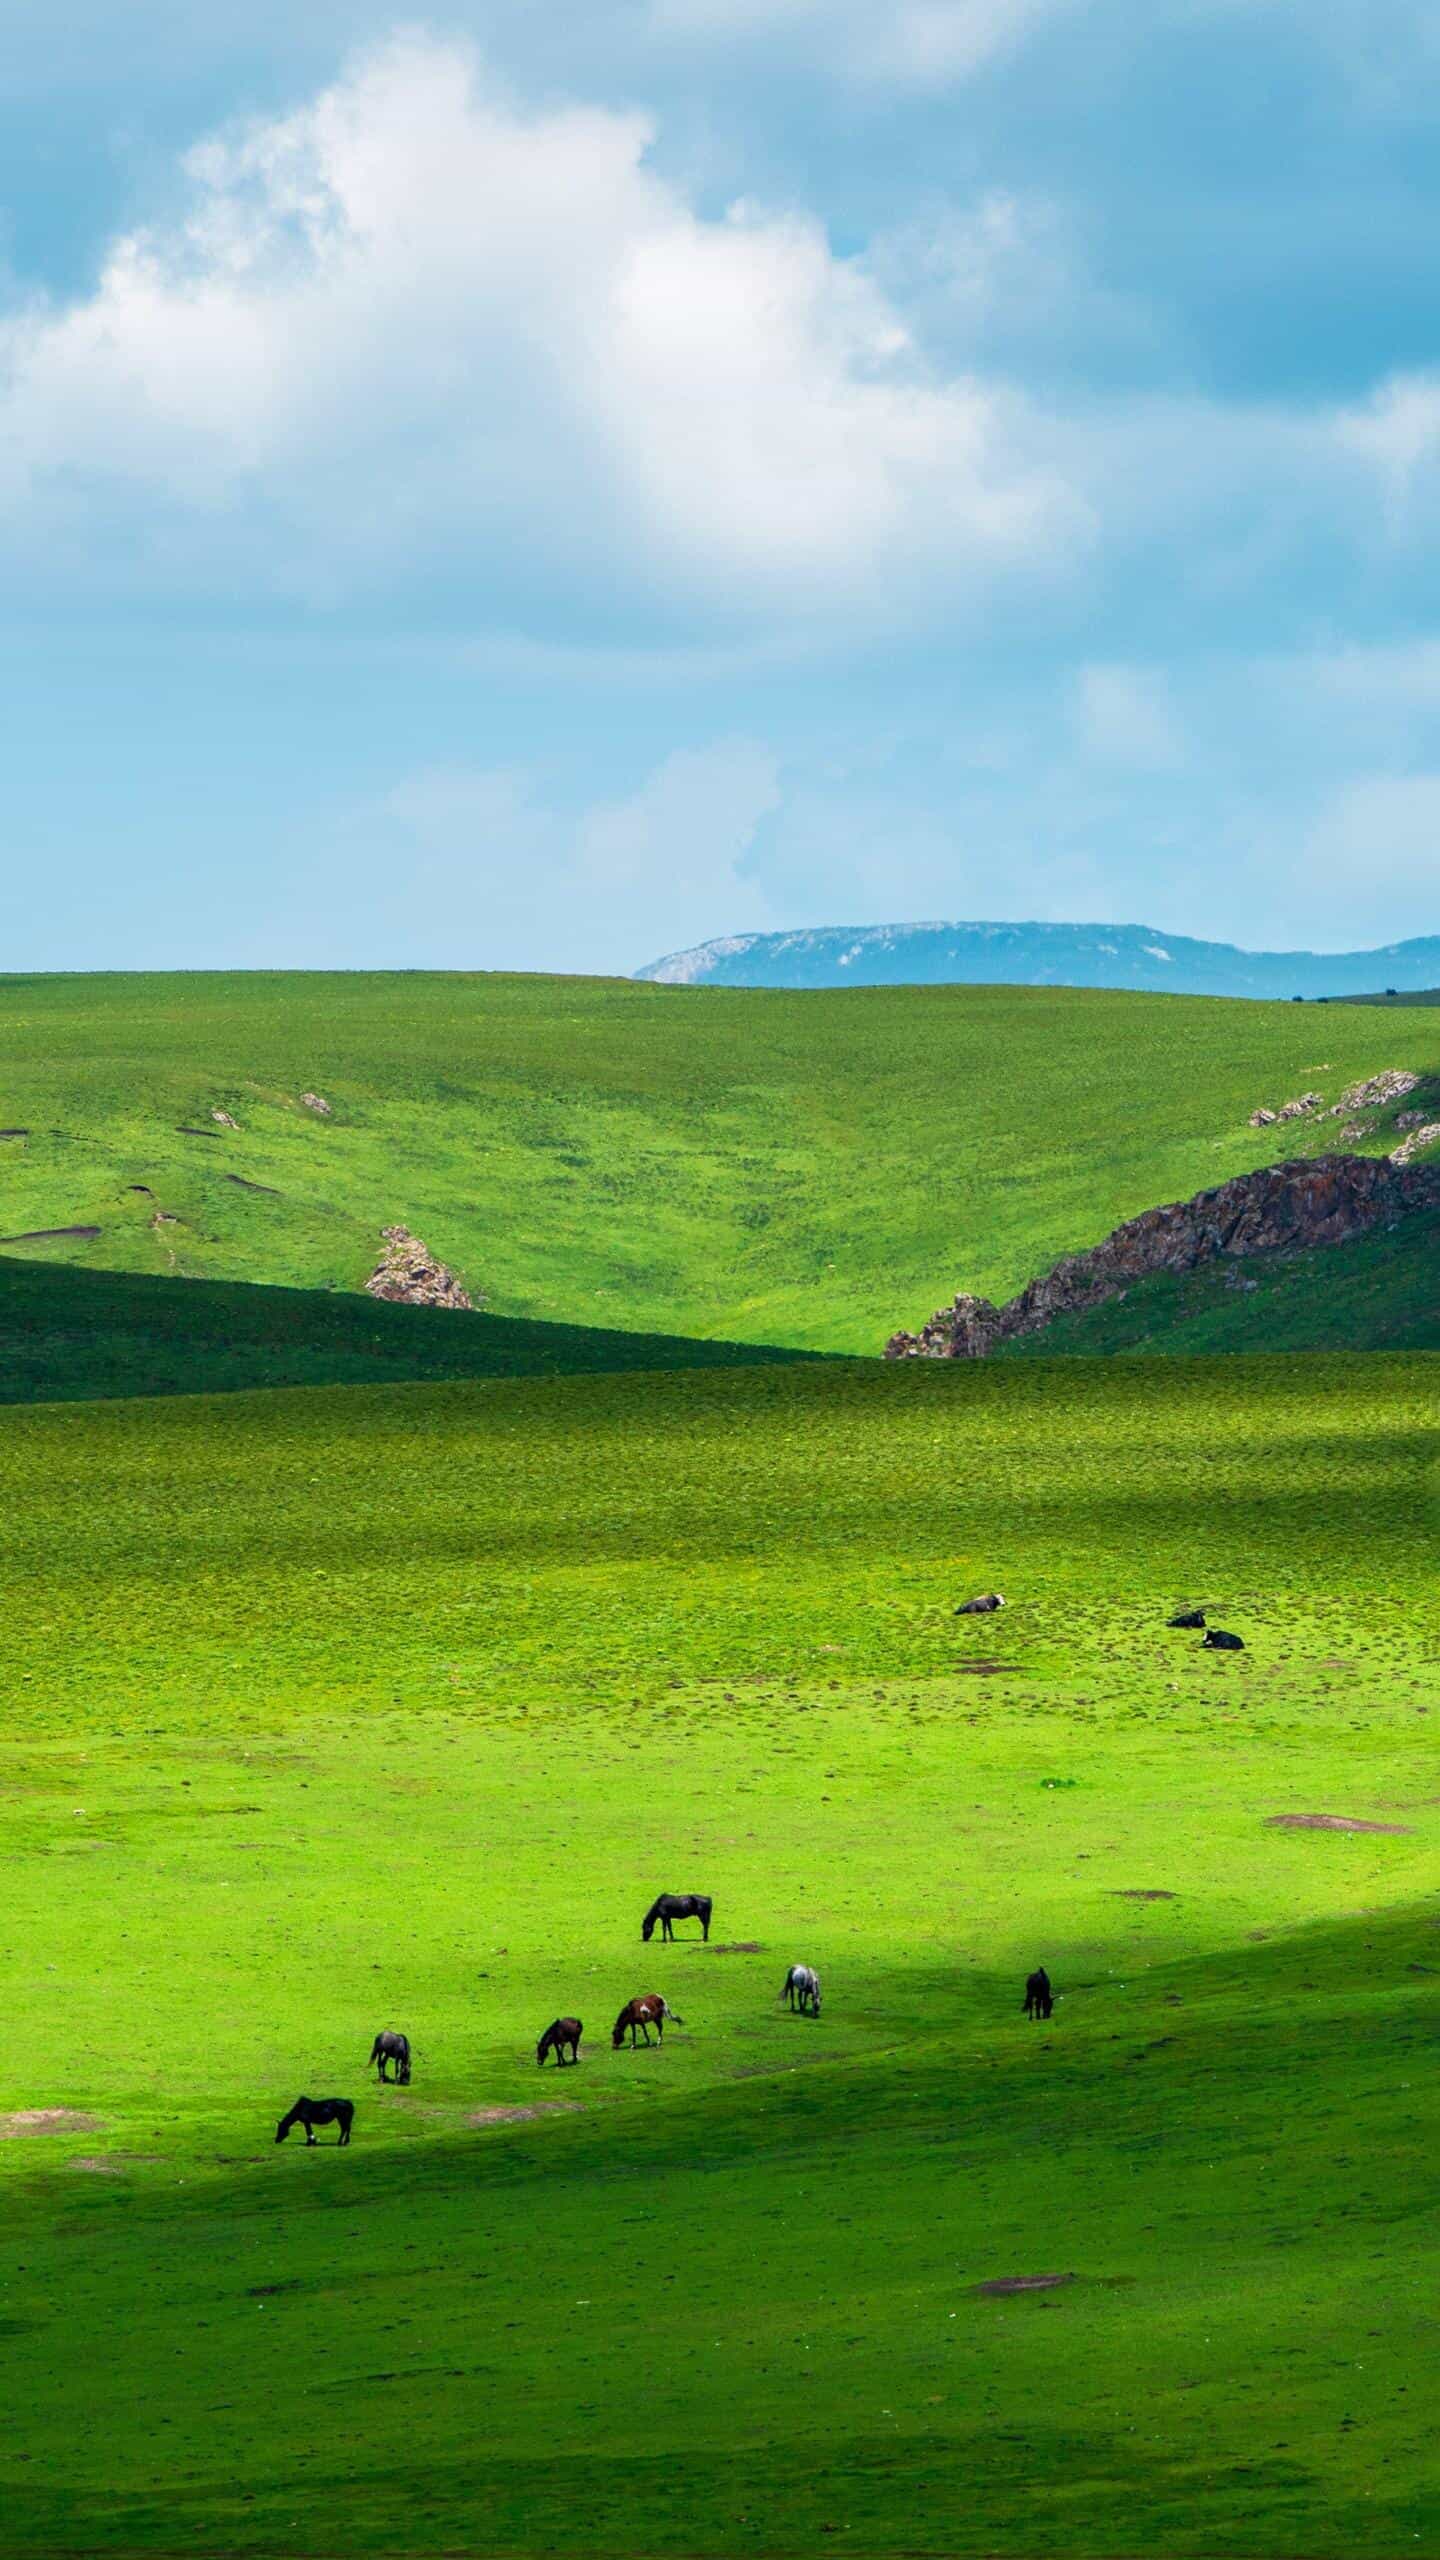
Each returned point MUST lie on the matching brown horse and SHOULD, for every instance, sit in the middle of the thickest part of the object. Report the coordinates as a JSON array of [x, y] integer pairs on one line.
[[558, 2034], [650, 2010]]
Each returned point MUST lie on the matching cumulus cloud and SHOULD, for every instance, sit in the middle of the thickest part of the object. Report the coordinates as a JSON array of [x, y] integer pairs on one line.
[[413, 330]]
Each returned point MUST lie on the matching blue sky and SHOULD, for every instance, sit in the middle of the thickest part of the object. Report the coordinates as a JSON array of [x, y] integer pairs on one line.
[[532, 488]]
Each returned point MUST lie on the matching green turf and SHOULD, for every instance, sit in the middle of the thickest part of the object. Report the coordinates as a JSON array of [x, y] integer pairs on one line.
[[811, 1169], [1378, 1293], [341, 1708], [67, 1334]]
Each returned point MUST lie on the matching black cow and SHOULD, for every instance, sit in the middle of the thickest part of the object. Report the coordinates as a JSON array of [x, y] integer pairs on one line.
[[981, 1608], [1187, 1618], [1219, 1641]]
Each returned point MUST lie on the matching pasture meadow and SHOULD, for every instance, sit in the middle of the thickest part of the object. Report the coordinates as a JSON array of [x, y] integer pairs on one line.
[[806, 1169], [333, 1709]]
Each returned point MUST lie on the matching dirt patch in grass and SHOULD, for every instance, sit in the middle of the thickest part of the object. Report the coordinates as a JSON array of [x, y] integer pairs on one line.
[[739, 1947], [27, 2120], [113, 2164], [1330, 1822], [524, 2115], [1020, 2284], [981, 1670], [1142, 1893]]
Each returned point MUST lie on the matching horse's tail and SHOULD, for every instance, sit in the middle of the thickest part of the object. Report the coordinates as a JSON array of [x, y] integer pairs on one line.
[[667, 2012], [375, 2050]]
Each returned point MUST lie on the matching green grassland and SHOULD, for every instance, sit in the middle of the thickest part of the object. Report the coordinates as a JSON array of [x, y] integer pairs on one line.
[[809, 1169], [346, 1707], [67, 1334], [1378, 1293]]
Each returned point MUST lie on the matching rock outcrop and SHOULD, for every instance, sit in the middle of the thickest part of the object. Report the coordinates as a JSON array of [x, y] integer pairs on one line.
[[1285, 1208], [408, 1274]]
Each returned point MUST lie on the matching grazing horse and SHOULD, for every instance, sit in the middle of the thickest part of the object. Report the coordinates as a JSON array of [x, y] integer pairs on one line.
[[983, 1607], [558, 2034], [1039, 1998], [1187, 1618], [313, 2111], [1218, 1641], [650, 2010], [670, 1907], [801, 1988], [390, 2046]]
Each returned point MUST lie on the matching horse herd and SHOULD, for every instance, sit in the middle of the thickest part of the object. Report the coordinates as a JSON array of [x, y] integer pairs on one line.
[[800, 1990]]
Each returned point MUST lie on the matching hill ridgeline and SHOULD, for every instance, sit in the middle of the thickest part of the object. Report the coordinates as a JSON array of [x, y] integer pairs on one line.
[[1134, 956]]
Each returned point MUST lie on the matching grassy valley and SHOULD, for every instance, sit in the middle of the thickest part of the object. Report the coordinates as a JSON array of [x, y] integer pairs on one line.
[[808, 1169], [387, 1687], [339, 1708]]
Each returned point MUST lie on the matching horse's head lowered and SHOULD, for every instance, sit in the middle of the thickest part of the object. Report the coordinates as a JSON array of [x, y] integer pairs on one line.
[[647, 1927]]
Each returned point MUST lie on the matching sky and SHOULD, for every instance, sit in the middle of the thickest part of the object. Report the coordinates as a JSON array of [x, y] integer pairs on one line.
[[517, 488]]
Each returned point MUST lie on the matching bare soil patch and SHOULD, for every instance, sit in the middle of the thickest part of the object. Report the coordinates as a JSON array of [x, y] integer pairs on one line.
[[1021, 2284], [738, 1947], [113, 2164], [524, 2115], [982, 1670], [27, 2120], [1330, 1822], [1142, 1893]]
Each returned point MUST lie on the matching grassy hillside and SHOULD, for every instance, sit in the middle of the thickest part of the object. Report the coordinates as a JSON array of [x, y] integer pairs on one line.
[[67, 1334], [1378, 1293], [337, 1709], [807, 1169]]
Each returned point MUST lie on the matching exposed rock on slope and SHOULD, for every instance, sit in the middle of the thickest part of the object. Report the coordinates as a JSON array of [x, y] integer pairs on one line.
[[408, 1273], [1285, 1208]]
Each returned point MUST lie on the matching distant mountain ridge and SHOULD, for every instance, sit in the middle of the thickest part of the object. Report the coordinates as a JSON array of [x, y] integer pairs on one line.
[[1133, 956]]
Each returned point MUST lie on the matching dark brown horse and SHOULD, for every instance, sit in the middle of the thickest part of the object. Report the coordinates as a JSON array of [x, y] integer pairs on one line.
[[650, 2010], [670, 1907], [390, 2046], [313, 2111], [1039, 1998], [559, 2033]]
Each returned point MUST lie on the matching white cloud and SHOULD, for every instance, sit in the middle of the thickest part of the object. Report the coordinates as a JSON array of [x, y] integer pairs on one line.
[[1376, 848], [640, 874], [1397, 431], [413, 331], [920, 43], [1124, 716]]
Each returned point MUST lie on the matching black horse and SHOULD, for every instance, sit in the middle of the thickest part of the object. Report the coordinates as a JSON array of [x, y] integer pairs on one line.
[[558, 2034], [670, 1907], [313, 2111], [391, 2046], [1039, 1998]]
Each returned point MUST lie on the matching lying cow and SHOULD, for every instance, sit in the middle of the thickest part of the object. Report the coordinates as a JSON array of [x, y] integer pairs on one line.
[[1219, 1642], [1187, 1618], [982, 1607]]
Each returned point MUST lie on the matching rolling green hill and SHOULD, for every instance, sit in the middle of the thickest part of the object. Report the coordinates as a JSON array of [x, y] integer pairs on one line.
[[68, 1334], [343, 1708], [810, 1169]]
